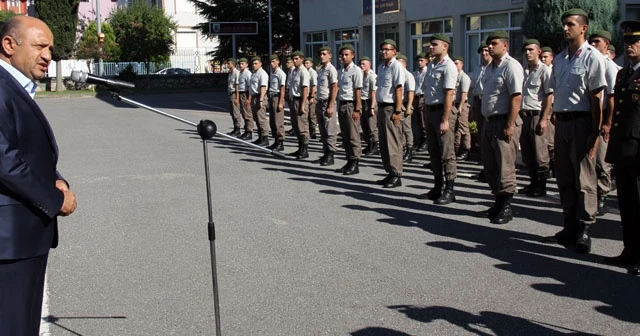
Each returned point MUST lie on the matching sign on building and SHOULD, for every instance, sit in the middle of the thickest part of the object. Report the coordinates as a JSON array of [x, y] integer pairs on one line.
[[233, 28], [382, 6]]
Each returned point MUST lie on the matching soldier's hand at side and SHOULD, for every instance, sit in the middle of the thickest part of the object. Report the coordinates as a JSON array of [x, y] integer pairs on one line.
[[236, 102], [356, 116], [605, 129], [541, 127], [508, 134], [592, 144], [396, 118], [69, 204], [330, 111], [444, 127], [280, 107]]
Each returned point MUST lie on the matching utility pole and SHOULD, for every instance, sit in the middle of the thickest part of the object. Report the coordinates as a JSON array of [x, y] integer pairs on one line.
[[100, 37]]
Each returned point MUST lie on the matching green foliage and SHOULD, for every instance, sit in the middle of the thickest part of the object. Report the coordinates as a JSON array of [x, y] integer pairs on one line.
[[89, 46], [285, 18], [473, 127], [542, 19], [6, 15], [62, 18], [143, 32]]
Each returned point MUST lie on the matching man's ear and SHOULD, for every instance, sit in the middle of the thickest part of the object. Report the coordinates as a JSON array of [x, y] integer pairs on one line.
[[9, 45]]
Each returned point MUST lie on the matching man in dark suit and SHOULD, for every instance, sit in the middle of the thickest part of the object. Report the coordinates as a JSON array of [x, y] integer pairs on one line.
[[32, 192], [622, 130]]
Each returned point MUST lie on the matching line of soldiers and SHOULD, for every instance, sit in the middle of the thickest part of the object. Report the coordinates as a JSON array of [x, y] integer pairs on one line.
[[562, 112]]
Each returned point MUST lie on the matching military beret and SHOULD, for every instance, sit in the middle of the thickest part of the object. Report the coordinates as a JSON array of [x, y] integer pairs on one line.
[[297, 53], [631, 31], [256, 58], [457, 58], [289, 59], [274, 57], [232, 60], [574, 11], [326, 48], [308, 59], [421, 55], [347, 46], [389, 42], [531, 41], [441, 37], [364, 58], [482, 46], [547, 49], [401, 57], [601, 33], [498, 34], [243, 60], [611, 47]]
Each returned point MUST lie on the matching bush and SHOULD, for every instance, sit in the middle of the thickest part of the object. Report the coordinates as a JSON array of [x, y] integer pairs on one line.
[[473, 127]]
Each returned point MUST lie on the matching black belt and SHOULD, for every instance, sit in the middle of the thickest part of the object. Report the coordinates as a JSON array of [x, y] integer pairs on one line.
[[529, 113], [256, 96], [271, 95], [386, 104], [346, 101], [435, 106], [496, 117], [243, 91], [296, 98], [573, 115]]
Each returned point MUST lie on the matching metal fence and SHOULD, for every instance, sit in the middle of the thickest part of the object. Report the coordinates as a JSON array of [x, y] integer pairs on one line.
[[194, 60]]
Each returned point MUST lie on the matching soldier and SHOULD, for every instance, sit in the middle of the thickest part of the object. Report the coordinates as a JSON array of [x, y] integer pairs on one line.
[[243, 91], [612, 51], [258, 100], [327, 93], [234, 97], [547, 58], [462, 142], [578, 79], [277, 83], [390, 82], [408, 96], [313, 80], [298, 94], [601, 41], [476, 89], [537, 98], [368, 119], [418, 119], [349, 108], [500, 105], [438, 88], [294, 126], [624, 148]]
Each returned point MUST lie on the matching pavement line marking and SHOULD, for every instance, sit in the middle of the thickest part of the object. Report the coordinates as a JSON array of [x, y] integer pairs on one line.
[[44, 324]]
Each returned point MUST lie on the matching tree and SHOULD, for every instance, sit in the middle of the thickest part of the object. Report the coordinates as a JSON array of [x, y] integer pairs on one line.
[[542, 18], [62, 18], [285, 25], [89, 46], [143, 32], [6, 15]]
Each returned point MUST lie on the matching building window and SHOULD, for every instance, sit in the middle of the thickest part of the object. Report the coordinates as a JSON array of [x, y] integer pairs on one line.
[[478, 28], [14, 3], [422, 31], [342, 37], [315, 41], [632, 12]]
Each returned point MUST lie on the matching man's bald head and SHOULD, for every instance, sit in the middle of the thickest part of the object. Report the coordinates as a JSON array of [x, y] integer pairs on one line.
[[26, 44]]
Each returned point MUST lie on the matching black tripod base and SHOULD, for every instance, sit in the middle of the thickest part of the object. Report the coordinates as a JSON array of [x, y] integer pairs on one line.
[[207, 129]]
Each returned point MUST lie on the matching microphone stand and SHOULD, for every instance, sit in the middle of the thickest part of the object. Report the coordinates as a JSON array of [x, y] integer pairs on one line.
[[207, 129]]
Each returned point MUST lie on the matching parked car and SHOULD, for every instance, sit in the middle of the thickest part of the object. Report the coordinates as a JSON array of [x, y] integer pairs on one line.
[[172, 71]]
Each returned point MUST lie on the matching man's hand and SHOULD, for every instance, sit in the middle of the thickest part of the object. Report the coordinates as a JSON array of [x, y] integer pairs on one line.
[[69, 203], [541, 127], [280, 107], [62, 185], [592, 143], [605, 130], [444, 127], [508, 133], [247, 104], [408, 111], [329, 111], [236, 102], [356, 116], [396, 118]]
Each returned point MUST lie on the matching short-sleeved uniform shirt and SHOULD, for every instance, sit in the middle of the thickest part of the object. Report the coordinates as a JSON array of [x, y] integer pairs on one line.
[[258, 80], [313, 79], [277, 80], [440, 76], [232, 80], [536, 86], [243, 80], [327, 75], [501, 81], [476, 81], [368, 85], [390, 75], [419, 77], [574, 77], [409, 85], [611, 72], [349, 80], [298, 80], [462, 85]]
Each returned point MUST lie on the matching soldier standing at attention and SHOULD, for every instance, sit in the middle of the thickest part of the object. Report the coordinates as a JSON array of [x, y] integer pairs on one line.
[[439, 88], [418, 119], [245, 107], [601, 41], [624, 148], [547, 58], [313, 81], [578, 79], [349, 86], [390, 82], [476, 89], [298, 94], [327, 93], [501, 102], [537, 98], [234, 97], [462, 142], [368, 119], [407, 108], [277, 83], [289, 67], [258, 100]]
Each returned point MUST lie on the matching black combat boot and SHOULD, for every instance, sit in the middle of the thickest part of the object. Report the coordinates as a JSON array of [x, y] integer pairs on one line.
[[505, 215], [541, 186], [492, 211], [533, 182], [448, 196], [435, 192], [602, 206], [247, 135], [408, 155], [352, 168], [375, 149], [235, 132], [583, 244], [304, 151]]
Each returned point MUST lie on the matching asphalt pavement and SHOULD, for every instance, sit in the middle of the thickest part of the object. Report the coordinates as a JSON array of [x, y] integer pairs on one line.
[[301, 249]]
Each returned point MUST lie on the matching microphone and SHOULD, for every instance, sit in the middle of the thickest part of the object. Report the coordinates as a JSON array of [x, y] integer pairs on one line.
[[111, 84]]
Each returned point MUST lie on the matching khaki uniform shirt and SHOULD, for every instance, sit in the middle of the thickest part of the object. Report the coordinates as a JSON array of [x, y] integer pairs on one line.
[[232, 80], [368, 85], [243, 80], [440, 76], [327, 75], [419, 77], [390, 76], [258, 80], [500, 83], [462, 85], [536, 86], [297, 81], [409, 85], [277, 80], [349, 80]]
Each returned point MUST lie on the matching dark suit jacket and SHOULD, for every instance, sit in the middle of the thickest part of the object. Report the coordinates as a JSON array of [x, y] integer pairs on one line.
[[625, 128], [29, 200]]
